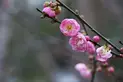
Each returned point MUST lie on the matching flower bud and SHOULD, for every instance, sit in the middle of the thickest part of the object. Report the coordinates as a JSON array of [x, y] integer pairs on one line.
[[87, 38], [105, 64], [110, 46], [46, 4], [96, 38], [57, 10], [110, 69], [91, 57], [99, 69], [121, 49]]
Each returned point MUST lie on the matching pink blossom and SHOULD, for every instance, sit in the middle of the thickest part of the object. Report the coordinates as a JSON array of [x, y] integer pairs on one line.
[[80, 66], [96, 38], [103, 53], [83, 70], [78, 42], [90, 47], [85, 73], [69, 27], [49, 11]]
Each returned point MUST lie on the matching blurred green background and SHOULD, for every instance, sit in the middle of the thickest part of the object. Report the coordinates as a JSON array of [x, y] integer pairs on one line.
[[33, 49]]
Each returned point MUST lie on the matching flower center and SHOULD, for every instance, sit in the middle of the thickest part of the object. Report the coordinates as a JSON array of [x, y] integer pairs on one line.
[[69, 27]]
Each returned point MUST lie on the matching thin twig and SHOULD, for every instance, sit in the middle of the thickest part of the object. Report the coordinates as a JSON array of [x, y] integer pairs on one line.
[[94, 30], [84, 28], [121, 42]]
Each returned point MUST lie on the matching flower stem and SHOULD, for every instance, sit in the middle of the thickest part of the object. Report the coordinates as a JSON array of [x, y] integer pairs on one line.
[[94, 70]]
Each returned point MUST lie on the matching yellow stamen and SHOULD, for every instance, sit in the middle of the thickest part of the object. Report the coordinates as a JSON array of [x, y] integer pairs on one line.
[[69, 27]]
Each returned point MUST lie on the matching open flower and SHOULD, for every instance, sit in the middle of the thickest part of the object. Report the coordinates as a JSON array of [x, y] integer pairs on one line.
[[49, 11], [90, 47], [103, 53], [69, 27], [83, 70], [78, 42]]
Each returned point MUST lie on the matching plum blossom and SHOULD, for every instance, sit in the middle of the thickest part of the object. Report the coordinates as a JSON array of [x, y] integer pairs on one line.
[[103, 53], [69, 27], [49, 11], [90, 47], [83, 70], [78, 42], [86, 73], [80, 66]]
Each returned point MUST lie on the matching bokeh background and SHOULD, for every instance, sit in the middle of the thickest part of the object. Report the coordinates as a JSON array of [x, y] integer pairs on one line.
[[33, 49]]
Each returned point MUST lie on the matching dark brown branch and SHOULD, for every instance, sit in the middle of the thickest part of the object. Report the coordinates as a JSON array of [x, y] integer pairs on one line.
[[94, 70], [94, 30], [121, 42]]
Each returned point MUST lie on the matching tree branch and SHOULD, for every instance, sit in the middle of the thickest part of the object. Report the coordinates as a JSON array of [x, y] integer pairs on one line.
[[59, 22], [92, 29], [94, 70]]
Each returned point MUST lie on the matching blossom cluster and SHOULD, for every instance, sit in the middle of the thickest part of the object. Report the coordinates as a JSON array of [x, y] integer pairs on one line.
[[83, 43], [52, 9], [80, 41]]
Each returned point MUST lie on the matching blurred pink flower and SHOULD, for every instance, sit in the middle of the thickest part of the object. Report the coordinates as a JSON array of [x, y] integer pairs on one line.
[[80, 66], [83, 70], [78, 42], [86, 73], [49, 11], [103, 53], [90, 47], [69, 27]]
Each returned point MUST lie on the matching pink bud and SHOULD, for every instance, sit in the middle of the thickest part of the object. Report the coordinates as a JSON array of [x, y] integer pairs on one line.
[[110, 69], [121, 49], [110, 46], [105, 64], [121, 55], [49, 11], [96, 38], [99, 69], [91, 57], [46, 4], [87, 38]]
